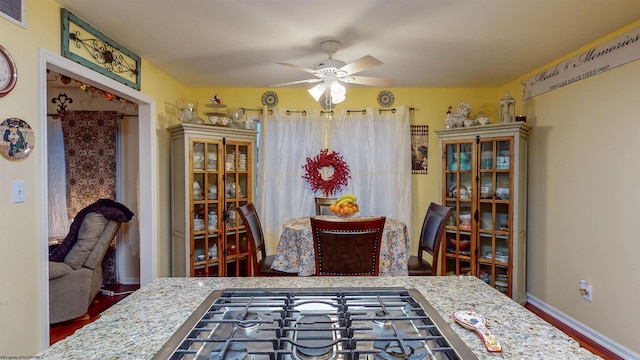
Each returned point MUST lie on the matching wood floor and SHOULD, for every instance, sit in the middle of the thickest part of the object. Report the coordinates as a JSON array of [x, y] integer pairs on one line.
[[103, 302], [585, 342]]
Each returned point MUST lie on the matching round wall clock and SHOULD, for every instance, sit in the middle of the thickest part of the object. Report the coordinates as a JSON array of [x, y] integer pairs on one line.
[[8, 72]]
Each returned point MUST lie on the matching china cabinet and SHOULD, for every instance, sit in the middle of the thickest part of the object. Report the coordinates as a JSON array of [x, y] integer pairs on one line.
[[484, 180], [212, 171]]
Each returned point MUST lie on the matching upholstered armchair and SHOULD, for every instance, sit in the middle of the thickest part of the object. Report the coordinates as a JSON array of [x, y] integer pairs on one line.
[[75, 268]]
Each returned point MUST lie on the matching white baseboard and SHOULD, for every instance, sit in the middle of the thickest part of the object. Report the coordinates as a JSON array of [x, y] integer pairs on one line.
[[588, 332], [130, 281]]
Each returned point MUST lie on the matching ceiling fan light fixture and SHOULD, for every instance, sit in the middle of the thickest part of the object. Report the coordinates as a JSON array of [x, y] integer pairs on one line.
[[317, 91], [337, 99], [338, 92]]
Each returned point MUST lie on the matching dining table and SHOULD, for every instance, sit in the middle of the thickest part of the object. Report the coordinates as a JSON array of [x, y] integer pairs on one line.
[[295, 253]]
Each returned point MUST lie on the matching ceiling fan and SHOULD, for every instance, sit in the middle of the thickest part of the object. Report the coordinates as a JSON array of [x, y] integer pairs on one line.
[[331, 71]]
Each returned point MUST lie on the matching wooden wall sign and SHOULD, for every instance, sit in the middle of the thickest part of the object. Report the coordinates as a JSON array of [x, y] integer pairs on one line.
[[89, 47], [606, 56]]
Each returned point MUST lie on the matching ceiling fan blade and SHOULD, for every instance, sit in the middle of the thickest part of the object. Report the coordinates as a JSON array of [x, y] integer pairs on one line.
[[301, 68], [308, 81], [362, 64], [371, 81]]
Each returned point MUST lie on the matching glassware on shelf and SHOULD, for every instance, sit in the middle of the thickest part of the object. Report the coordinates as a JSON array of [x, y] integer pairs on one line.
[[231, 190], [198, 223], [213, 251], [232, 215], [197, 191], [187, 110], [213, 220], [198, 156], [213, 192], [212, 159]]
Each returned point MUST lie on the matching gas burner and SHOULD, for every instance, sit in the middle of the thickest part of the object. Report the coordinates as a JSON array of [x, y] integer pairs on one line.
[[313, 341], [315, 324], [392, 350], [234, 351], [248, 321]]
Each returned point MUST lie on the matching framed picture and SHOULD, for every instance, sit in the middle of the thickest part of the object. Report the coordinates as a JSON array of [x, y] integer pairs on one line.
[[419, 148], [89, 47]]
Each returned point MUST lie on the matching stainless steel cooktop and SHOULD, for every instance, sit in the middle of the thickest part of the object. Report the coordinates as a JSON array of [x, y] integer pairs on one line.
[[315, 324]]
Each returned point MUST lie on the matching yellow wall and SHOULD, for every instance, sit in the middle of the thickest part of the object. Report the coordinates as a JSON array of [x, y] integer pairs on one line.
[[583, 197], [583, 182], [20, 222]]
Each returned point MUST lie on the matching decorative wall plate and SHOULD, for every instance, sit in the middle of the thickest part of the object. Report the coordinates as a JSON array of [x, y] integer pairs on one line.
[[385, 98], [270, 99], [18, 139]]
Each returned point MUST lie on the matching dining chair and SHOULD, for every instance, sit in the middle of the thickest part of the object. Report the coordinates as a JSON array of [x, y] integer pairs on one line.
[[261, 263], [431, 235], [322, 205], [347, 247]]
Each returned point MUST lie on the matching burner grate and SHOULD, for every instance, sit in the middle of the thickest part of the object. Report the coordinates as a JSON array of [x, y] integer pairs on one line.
[[315, 324]]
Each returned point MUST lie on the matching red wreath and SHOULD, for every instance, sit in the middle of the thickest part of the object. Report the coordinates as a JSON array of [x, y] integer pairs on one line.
[[333, 184]]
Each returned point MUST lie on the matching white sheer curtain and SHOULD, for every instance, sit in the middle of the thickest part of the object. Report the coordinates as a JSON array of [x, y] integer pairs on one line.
[[58, 218], [286, 140], [375, 145]]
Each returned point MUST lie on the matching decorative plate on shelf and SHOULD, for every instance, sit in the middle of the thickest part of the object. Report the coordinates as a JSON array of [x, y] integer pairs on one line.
[[385, 98], [270, 98]]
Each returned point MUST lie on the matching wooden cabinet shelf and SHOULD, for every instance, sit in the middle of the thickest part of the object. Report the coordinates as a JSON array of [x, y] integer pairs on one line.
[[212, 175], [484, 179]]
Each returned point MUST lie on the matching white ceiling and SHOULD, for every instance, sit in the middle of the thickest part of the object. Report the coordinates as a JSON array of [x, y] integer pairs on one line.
[[422, 43]]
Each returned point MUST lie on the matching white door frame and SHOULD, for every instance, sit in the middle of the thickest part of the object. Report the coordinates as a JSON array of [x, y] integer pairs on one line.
[[147, 160]]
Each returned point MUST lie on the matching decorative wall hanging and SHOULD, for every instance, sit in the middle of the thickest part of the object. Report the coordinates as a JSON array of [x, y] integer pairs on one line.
[[333, 183], [18, 139], [385, 98], [419, 148], [270, 99], [90, 157], [598, 59], [89, 47]]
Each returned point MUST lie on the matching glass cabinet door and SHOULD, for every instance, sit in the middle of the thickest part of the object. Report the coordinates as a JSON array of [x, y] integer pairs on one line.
[[205, 212], [494, 213], [237, 191], [458, 195]]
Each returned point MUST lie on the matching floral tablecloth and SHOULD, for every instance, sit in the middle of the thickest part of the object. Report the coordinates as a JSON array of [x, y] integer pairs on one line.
[[295, 249]]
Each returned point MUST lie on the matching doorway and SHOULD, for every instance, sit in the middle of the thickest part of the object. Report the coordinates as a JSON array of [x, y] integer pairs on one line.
[[145, 190], [94, 159]]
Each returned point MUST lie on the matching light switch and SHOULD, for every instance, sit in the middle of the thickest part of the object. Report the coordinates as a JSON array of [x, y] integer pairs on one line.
[[18, 191]]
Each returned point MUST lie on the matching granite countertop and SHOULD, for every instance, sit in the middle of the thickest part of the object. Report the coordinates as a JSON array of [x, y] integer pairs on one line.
[[138, 326]]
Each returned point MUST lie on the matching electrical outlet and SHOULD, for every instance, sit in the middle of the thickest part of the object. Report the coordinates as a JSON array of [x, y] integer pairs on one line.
[[585, 289], [587, 294]]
